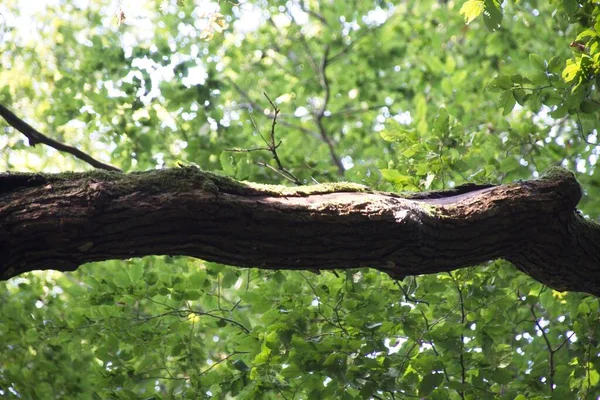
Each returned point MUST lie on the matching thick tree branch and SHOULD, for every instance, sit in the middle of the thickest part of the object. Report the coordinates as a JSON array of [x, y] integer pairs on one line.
[[62, 221], [36, 137]]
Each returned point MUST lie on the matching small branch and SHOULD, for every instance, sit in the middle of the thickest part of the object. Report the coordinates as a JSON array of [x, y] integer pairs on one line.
[[320, 72], [324, 83], [580, 129], [250, 150], [257, 106], [551, 351], [321, 113], [588, 358], [463, 315], [36, 137], [271, 147], [407, 297], [345, 111], [315, 14], [235, 353], [282, 173], [360, 36], [308, 51]]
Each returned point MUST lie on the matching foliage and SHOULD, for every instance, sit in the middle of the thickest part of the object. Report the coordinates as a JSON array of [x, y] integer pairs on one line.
[[408, 98]]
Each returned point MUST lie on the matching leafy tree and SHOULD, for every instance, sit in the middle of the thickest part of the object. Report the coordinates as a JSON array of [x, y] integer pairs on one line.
[[397, 97]]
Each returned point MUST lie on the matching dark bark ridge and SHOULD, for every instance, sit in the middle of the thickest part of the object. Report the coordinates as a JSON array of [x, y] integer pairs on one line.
[[62, 221]]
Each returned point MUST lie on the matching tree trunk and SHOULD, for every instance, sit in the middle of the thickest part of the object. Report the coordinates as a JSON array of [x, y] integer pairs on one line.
[[62, 221]]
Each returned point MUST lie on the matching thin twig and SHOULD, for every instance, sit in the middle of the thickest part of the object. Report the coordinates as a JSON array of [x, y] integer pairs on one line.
[[321, 113], [407, 297], [320, 72], [36, 137], [272, 146], [250, 150], [461, 357], [359, 37], [264, 164], [346, 111], [257, 106], [308, 51], [580, 128], [315, 14], [588, 357], [551, 350]]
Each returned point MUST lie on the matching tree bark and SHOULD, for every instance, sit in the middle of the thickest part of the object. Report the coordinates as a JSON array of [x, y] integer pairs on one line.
[[62, 221]]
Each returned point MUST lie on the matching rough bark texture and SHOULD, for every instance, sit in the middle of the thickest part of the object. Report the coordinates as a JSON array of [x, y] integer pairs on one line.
[[62, 221]]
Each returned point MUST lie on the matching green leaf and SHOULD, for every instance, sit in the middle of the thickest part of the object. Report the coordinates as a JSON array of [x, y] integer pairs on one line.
[[590, 107], [586, 33], [571, 7], [502, 82], [330, 360], [535, 101], [519, 95], [429, 180], [197, 279], [394, 176], [507, 102], [554, 64], [240, 365], [503, 376], [472, 9], [537, 62], [516, 78], [442, 121], [136, 271], [191, 295], [121, 279], [227, 163], [492, 15], [392, 134], [570, 72], [429, 383], [594, 378]]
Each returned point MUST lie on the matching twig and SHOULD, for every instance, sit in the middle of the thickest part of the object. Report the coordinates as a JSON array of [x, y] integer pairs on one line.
[[588, 358], [36, 137], [346, 111], [551, 350], [407, 297], [580, 129], [235, 353], [250, 150], [463, 315], [360, 36], [272, 147], [308, 51], [315, 14], [282, 173], [254, 104], [320, 72], [321, 113]]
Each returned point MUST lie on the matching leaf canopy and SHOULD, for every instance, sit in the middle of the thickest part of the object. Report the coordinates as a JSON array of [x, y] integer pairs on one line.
[[400, 96]]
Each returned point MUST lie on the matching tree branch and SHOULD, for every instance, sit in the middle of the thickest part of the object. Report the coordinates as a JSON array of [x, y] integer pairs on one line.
[[64, 220], [257, 106], [36, 137], [321, 113], [272, 146]]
